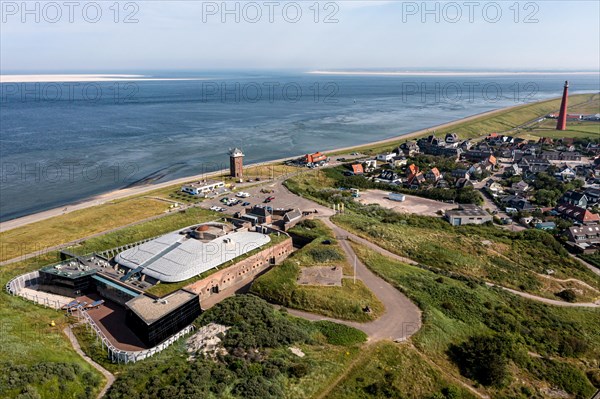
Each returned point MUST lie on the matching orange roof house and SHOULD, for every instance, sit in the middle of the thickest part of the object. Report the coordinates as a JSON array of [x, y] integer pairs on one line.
[[413, 169], [357, 168]]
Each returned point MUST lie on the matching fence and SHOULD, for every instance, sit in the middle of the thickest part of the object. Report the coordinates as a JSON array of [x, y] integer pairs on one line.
[[30, 281], [122, 356]]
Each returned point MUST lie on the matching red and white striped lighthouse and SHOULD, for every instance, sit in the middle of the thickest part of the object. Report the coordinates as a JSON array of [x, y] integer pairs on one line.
[[562, 116]]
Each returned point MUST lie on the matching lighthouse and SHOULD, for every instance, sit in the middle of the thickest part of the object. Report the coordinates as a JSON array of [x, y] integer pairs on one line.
[[562, 116]]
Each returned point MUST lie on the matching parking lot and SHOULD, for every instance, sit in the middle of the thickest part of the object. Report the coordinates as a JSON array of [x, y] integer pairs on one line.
[[283, 198], [412, 204]]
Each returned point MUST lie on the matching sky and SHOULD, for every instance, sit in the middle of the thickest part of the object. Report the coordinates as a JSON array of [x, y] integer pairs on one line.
[[54, 37]]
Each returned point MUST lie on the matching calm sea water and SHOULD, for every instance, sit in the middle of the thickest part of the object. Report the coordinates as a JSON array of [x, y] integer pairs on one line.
[[61, 143]]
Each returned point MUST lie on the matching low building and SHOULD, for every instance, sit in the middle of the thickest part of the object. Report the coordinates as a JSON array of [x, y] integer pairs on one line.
[[545, 226], [577, 214], [468, 214], [155, 320], [386, 156], [315, 158], [357, 169], [202, 187], [574, 198], [584, 239]]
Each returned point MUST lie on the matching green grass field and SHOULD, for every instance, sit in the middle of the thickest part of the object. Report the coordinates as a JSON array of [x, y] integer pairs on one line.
[[345, 302], [76, 225], [454, 310], [509, 259]]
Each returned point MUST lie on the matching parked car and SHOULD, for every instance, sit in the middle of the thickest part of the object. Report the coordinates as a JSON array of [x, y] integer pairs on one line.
[[246, 203], [242, 194], [225, 200], [215, 208]]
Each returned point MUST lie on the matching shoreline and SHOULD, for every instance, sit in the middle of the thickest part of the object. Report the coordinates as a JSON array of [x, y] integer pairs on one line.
[[442, 73], [139, 190]]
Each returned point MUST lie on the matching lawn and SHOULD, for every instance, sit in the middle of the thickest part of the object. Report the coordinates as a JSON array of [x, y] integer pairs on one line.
[[35, 356], [480, 252], [346, 302], [567, 339], [76, 225]]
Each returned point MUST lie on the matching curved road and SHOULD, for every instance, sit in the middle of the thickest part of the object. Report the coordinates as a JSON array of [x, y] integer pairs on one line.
[[401, 317]]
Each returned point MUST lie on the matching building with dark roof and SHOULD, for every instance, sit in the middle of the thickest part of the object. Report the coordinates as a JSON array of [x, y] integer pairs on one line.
[[467, 214]]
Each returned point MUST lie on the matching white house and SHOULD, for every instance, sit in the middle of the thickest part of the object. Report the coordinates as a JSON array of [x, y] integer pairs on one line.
[[202, 187], [386, 156]]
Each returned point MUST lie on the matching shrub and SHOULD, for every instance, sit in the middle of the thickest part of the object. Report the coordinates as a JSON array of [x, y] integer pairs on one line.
[[484, 359], [339, 334], [567, 295]]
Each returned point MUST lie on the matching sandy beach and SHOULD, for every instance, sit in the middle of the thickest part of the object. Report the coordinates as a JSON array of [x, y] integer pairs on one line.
[[127, 192], [81, 78]]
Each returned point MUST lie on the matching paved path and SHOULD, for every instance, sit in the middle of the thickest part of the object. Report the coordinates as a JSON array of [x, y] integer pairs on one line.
[[401, 317], [110, 379], [547, 300], [592, 268]]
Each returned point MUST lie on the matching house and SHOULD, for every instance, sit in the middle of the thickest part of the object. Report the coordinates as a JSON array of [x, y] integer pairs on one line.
[[477, 155], [565, 173], [414, 181], [463, 183], [570, 156], [461, 174], [452, 138], [475, 169], [388, 176], [495, 188], [577, 214], [466, 145], [513, 170], [371, 164], [593, 196], [386, 156], [584, 239], [399, 161], [520, 187], [467, 214], [518, 203], [433, 175], [574, 198], [550, 155], [412, 170], [532, 165], [490, 163], [203, 188], [357, 169], [410, 148], [442, 184]]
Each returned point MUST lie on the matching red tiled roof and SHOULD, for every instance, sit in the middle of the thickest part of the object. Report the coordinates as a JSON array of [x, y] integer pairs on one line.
[[577, 213], [357, 169]]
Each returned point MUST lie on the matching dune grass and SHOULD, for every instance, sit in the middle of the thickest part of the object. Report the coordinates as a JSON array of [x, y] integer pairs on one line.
[[76, 225], [454, 310]]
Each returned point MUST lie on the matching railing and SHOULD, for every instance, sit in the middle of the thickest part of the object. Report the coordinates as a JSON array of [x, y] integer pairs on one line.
[[117, 355], [15, 286]]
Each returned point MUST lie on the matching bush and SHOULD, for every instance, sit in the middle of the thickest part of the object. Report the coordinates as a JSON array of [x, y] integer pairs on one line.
[[324, 255], [484, 359], [254, 323], [339, 334], [567, 295]]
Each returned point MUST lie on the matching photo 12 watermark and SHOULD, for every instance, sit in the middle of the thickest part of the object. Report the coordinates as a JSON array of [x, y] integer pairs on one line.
[[54, 12], [115, 92], [453, 12], [269, 91], [253, 12], [467, 92]]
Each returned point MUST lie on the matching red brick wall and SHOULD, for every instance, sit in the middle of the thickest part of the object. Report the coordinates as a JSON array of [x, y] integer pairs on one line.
[[243, 271]]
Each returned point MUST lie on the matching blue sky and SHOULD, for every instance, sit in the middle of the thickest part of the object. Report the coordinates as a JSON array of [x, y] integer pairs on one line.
[[378, 34]]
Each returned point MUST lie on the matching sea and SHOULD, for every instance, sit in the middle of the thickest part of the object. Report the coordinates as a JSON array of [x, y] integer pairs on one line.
[[61, 143]]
